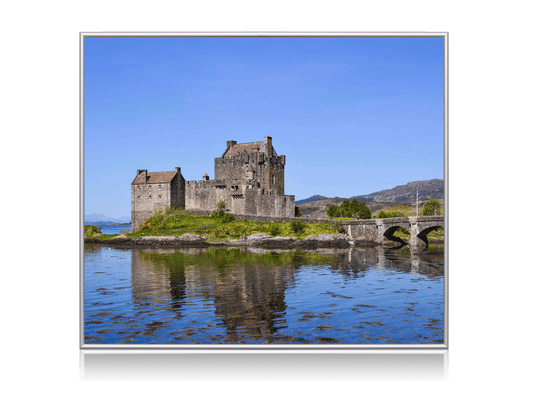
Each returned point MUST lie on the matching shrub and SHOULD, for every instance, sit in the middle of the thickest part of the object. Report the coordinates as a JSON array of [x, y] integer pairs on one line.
[[297, 226], [398, 208], [171, 209], [339, 228], [274, 229], [91, 230], [297, 212], [390, 214], [431, 208], [221, 205], [220, 209], [227, 217], [216, 213], [153, 221]]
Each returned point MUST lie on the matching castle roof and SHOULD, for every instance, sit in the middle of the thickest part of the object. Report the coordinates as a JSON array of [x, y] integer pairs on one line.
[[155, 177], [247, 147]]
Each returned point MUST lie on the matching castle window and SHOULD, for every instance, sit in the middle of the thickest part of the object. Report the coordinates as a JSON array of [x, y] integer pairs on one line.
[[160, 197], [159, 187], [150, 188], [150, 198], [138, 198]]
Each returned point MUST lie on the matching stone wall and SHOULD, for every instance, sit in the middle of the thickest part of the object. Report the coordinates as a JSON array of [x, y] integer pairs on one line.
[[240, 200], [202, 195], [146, 199]]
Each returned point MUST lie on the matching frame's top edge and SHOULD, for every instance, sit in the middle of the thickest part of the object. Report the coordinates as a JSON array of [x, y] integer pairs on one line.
[[264, 33]]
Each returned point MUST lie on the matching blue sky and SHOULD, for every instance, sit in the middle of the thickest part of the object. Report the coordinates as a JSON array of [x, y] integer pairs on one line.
[[353, 115]]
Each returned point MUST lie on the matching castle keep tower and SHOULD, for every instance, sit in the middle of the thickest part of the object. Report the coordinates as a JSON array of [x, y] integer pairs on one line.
[[253, 162], [250, 177]]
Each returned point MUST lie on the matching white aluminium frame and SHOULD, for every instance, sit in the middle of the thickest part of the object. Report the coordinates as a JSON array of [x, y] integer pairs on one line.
[[356, 363]]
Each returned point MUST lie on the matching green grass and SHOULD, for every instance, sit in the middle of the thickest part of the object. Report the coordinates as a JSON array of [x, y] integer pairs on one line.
[[95, 232], [176, 223], [438, 233]]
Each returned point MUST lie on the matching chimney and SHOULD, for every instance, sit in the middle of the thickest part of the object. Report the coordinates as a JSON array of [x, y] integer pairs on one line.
[[143, 174], [178, 170], [231, 143], [268, 141], [206, 177]]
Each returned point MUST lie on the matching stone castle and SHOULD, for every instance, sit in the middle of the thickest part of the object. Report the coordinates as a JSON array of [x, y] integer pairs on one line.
[[249, 177]]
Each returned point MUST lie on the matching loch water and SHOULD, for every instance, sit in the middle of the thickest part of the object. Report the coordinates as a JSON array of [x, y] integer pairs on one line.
[[114, 228], [256, 296]]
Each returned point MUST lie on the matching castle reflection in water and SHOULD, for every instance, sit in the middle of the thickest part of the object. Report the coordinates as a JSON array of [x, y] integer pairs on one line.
[[249, 299]]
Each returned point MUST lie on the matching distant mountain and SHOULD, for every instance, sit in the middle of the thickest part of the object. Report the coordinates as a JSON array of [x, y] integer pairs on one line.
[[95, 218], [427, 190], [312, 198]]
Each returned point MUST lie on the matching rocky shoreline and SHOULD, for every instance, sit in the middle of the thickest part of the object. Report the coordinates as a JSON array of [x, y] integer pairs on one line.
[[333, 241], [337, 241]]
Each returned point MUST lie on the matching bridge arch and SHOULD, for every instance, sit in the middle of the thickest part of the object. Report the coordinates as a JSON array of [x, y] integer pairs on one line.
[[424, 233], [389, 233]]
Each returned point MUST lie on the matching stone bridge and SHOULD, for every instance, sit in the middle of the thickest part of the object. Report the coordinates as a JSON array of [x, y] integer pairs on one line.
[[382, 230]]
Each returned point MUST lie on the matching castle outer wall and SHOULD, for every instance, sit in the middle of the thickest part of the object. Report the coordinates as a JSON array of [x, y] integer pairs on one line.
[[203, 196]]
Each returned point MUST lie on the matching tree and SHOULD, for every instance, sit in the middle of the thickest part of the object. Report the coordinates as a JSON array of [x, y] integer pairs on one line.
[[220, 208], [431, 208], [350, 209], [364, 212], [333, 211], [221, 205]]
